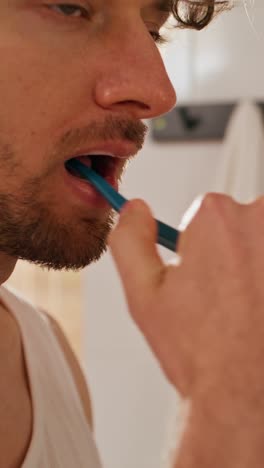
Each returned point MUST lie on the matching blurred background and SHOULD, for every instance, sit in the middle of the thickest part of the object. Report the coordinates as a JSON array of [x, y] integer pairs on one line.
[[137, 413]]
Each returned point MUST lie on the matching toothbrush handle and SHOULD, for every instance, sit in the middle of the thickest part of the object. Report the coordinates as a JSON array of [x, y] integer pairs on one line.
[[167, 236]]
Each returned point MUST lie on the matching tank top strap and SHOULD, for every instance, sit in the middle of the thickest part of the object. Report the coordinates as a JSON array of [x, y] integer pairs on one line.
[[61, 434]]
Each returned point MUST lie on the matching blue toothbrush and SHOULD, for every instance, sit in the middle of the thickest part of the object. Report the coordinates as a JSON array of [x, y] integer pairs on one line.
[[167, 236]]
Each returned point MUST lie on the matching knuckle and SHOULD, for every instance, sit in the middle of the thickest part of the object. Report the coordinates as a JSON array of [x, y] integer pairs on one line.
[[220, 215], [217, 201], [220, 209], [206, 210], [227, 217]]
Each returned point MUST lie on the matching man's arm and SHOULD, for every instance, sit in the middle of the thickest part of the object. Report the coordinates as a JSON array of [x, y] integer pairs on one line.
[[204, 321], [225, 430], [75, 367]]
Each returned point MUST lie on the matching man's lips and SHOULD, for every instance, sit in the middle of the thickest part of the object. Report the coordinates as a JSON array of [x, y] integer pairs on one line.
[[83, 188], [108, 159], [117, 149]]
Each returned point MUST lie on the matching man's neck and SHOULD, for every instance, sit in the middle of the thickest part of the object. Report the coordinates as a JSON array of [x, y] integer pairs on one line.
[[7, 265]]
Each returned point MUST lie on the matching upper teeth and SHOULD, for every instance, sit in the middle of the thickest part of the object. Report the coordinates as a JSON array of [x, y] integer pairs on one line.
[[100, 153]]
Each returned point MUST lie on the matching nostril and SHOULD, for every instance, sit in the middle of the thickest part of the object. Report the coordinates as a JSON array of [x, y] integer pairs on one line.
[[135, 103]]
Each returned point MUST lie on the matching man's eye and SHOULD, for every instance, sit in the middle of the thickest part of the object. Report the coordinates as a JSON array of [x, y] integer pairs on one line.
[[78, 11], [70, 10]]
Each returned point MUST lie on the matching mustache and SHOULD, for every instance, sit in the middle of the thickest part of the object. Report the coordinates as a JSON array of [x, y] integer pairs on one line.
[[111, 129]]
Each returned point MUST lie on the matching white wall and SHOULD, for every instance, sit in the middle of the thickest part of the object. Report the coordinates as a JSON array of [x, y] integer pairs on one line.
[[132, 400]]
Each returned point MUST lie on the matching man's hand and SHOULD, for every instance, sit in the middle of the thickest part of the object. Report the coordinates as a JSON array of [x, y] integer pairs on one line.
[[204, 319]]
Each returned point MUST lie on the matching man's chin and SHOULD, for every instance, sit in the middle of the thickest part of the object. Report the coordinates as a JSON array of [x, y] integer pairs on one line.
[[53, 241], [70, 256], [59, 247]]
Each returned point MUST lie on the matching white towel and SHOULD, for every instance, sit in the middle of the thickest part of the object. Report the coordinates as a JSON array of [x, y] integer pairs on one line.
[[240, 172]]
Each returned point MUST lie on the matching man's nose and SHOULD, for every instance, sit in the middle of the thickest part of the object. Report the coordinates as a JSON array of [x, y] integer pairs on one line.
[[133, 80]]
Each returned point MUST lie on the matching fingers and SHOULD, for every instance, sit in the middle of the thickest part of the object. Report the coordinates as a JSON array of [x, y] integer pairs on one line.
[[133, 246]]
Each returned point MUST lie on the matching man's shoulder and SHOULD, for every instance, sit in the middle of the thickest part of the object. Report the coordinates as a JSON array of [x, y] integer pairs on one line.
[[74, 365], [10, 324]]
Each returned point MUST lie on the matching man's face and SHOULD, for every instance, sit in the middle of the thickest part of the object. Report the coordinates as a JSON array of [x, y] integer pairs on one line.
[[72, 78]]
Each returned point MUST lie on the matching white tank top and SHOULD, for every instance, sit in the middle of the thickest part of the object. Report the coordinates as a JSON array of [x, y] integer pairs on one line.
[[61, 434]]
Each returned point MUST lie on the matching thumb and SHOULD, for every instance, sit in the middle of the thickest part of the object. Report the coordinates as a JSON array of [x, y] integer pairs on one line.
[[133, 246]]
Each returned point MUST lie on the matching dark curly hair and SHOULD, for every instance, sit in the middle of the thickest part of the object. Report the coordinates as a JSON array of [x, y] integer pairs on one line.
[[196, 14]]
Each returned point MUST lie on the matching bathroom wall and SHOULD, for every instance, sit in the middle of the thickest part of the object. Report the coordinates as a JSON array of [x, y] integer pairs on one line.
[[133, 403]]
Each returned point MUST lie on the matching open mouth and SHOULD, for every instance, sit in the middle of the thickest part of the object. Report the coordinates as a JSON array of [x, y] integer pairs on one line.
[[104, 165]]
